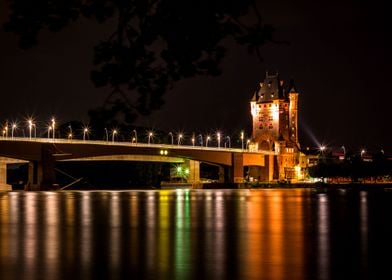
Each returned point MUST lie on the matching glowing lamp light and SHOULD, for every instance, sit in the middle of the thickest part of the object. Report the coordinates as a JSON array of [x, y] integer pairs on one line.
[[150, 134], [86, 131], [163, 152]]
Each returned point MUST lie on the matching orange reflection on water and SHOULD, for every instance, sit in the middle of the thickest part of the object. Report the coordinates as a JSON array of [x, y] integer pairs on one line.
[[4, 231], [275, 244]]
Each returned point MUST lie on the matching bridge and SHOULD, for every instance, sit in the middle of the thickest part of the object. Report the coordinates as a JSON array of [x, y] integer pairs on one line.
[[41, 154]]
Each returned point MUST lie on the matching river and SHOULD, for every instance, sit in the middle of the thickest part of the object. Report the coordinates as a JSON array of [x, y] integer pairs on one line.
[[196, 234]]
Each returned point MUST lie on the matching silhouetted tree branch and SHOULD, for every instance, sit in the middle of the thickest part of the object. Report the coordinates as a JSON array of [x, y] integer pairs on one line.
[[155, 42]]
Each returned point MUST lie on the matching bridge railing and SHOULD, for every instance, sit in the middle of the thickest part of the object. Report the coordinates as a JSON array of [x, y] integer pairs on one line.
[[129, 144]]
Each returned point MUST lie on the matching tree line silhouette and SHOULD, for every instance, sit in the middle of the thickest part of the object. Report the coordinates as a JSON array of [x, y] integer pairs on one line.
[[354, 167]]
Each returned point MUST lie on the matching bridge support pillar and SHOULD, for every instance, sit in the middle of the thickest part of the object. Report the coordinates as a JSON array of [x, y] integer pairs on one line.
[[238, 168], [266, 172], [3, 177], [41, 174], [194, 171], [34, 176], [223, 172]]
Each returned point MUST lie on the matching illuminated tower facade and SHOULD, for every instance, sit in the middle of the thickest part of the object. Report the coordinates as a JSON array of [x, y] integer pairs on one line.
[[274, 108]]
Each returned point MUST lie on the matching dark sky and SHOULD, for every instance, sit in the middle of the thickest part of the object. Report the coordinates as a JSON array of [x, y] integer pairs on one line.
[[339, 56]]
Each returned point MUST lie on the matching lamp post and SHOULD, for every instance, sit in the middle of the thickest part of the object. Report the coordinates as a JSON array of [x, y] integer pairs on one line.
[[49, 129], [107, 134], [363, 152], [85, 131], [30, 122], [179, 139], [201, 140], [344, 151], [207, 139], [134, 138], [70, 132], [219, 138], [53, 127], [171, 135], [193, 141], [247, 144], [6, 130], [228, 140], [13, 127], [150, 134], [114, 132], [242, 139]]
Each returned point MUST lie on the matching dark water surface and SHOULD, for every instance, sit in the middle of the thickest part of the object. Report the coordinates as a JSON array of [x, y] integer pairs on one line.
[[196, 234]]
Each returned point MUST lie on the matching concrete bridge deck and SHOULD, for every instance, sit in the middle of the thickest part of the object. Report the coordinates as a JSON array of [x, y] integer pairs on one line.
[[42, 153]]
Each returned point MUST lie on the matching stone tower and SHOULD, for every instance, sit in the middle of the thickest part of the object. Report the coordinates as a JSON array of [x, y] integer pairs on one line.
[[274, 109]]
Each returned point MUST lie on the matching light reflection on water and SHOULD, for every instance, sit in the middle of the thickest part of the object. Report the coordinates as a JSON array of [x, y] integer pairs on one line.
[[193, 234]]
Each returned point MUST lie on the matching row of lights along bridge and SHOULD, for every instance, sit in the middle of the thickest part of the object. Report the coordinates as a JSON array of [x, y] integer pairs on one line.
[[9, 130]]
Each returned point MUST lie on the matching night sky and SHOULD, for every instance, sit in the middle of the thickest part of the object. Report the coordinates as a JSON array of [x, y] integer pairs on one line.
[[339, 56]]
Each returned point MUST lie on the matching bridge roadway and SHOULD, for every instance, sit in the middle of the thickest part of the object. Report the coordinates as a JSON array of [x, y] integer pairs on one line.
[[42, 153]]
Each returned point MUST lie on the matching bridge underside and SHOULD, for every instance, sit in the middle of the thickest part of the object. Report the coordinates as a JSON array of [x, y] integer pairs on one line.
[[150, 158], [42, 157]]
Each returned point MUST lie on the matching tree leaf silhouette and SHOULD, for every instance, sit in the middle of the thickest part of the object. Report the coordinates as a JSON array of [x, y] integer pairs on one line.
[[154, 43]]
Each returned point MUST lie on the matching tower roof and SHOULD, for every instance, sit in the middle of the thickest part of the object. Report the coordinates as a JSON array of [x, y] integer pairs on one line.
[[291, 87], [270, 89]]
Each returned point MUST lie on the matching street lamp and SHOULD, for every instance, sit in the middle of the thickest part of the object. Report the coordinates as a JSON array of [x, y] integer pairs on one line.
[[207, 139], [30, 122], [228, 140], [201, 140], [363, 152], [114, 132], [107, 134], [171, 135], [49, 129], [85, 131], [247, 144], [344, 151], [219, 138], [242, 139], [150, 134], [193, 141], [70, 132], [179, 139], [53, 125], [134, 139], [13, 127], [6, 130]]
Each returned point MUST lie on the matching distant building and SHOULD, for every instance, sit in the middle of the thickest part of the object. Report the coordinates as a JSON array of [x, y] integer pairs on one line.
[[274, 109]]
